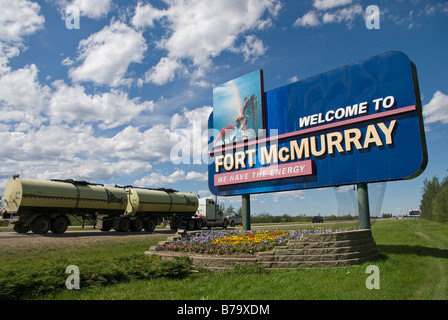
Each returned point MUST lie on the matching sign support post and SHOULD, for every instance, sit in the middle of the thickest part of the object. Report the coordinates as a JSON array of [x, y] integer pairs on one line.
[[363, 206], [246, 211]]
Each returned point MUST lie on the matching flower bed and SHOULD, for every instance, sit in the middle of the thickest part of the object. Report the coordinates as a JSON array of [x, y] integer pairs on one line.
[[236, 241]]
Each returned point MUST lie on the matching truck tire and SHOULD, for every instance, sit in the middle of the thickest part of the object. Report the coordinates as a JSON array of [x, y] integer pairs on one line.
[[191, 224], [198, 224], [59, 225], [20, 227], [137, 225], [225, 224], [150, 225], [106, 225], [122, 224], [41, 225]]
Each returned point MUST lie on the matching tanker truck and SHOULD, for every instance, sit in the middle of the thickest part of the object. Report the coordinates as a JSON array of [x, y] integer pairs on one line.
[[41, 206]]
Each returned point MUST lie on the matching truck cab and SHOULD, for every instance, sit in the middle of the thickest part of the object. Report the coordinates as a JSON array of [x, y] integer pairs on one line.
[[209, 215]]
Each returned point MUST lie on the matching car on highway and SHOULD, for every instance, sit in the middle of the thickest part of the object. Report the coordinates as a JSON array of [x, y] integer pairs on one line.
[[234, 219], [317, 219]]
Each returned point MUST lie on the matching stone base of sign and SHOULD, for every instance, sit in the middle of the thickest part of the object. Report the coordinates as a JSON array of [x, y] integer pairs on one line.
[[311, 251]]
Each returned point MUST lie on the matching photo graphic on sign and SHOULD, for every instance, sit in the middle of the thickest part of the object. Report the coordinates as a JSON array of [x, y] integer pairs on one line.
[[237, 107]]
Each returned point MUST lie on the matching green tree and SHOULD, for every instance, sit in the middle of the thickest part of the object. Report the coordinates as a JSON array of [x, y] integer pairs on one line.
[[230, 209], [430, 190], [440, 203]]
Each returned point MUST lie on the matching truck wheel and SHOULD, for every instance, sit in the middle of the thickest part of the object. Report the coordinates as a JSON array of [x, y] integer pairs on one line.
[[137, 225], [150, 225], [122, 224], [190, 224], [59, 225], [225, 224], [199, 224], [21, 228], [106, 225], [41, 225]]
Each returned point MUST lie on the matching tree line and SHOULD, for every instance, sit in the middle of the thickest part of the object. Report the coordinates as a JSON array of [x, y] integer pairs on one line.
[[265, 217], [434, 203]]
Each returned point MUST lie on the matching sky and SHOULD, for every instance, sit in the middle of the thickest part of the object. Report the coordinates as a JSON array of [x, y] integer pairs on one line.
[[114, 92]]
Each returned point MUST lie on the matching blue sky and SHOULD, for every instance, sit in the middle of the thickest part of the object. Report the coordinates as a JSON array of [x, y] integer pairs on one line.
[[110, 101]]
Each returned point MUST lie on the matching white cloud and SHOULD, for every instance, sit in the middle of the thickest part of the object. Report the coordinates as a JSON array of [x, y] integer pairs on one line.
[[437, 109], [163, 180], [163, 72], [344, 15], [93, 9], [328, 4], [96, 170], [199, 30], [21, 88], [62, 151], [19, 18], [7, 52], [107, 54], [310, 19], [253, 48], [67, 62], [293, 79], [110, 109], [433, 9], [88, 8], [76, 150], [197, 176], [152, 145], [22, 98], [145, 15]]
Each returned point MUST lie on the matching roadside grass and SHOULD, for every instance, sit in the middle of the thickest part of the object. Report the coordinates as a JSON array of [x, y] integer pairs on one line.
[[30, 272], [413, 264]]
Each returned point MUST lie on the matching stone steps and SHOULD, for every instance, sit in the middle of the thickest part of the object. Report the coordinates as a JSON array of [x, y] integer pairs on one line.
[[318, 250], [315, 257], [316, 264], [306, 243], [322, 250]]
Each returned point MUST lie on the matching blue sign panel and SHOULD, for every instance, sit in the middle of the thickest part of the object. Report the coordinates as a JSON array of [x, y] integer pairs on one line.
[[358, 123]]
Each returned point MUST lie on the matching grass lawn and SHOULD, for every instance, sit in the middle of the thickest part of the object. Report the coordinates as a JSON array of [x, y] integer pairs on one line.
[[413, 265]]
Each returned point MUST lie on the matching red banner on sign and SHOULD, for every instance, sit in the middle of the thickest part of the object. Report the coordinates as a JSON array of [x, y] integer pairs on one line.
[[287, 170]]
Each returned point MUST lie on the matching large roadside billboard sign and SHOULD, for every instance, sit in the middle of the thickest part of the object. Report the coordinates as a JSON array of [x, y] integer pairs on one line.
[[358, 123]]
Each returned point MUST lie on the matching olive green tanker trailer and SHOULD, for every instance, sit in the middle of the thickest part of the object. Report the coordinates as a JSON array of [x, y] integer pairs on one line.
[[41, 206]]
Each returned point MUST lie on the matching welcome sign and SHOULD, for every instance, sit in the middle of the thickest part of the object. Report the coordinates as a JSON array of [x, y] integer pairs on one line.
[[358, 123]]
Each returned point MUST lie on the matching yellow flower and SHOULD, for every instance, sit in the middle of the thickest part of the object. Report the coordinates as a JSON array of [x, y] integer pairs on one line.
[[247, 238]]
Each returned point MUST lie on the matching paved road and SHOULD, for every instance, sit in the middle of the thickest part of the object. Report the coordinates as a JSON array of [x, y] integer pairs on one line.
[[14, 239], [75, 237]]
